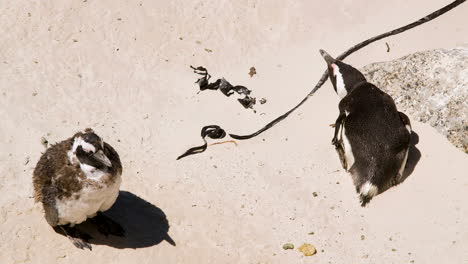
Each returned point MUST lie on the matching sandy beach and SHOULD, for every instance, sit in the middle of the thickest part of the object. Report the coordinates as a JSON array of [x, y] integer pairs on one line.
[[122, 68]]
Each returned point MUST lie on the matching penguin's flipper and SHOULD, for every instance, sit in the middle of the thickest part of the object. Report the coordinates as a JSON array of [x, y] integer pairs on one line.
[[404, 118], [407, 144], [339, 149], [338, 143], [338, 125], [48, 202]]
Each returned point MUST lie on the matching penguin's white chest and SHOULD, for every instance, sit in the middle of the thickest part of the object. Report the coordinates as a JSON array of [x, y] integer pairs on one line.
[[92, 198]]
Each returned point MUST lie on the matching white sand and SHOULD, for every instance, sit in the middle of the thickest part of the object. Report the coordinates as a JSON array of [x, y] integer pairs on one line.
[[120, 67]]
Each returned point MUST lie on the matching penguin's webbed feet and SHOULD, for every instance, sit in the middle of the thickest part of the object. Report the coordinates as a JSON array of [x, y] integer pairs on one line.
[[80, 243], [78, 238]]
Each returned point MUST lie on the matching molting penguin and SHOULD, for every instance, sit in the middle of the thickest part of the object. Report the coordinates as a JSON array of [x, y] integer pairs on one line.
[[77, 179], [371, 137]]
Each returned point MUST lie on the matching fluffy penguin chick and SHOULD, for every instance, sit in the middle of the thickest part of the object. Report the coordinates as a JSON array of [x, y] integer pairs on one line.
[[371, 137], [77, 179]]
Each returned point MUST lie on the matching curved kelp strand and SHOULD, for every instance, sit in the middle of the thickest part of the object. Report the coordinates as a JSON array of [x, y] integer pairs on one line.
[[212, 131], [324, 77]]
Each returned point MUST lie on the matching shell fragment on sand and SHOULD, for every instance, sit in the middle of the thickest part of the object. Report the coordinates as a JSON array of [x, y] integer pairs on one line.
[[307, 250]]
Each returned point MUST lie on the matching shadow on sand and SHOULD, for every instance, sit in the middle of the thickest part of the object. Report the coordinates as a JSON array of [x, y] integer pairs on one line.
[[145, 225], [414, 155]]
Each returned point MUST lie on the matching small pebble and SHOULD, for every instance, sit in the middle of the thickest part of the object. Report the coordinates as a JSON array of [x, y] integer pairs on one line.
[[44, 142], [288, 246], [363, 237], [252, 72], [315, 194]]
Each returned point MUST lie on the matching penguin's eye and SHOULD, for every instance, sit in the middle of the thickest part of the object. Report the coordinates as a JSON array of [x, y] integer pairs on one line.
[[81, 149], [335, 69]]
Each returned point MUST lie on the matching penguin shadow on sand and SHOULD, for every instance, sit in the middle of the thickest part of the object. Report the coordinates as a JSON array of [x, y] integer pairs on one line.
[[144, 224], [414, 155]]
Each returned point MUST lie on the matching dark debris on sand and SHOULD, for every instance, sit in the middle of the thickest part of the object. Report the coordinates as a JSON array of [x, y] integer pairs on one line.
[[224, 86]]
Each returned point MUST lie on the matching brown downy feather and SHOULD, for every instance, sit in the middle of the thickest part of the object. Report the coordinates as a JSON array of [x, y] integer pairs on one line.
[[55, 174], [51, 162]]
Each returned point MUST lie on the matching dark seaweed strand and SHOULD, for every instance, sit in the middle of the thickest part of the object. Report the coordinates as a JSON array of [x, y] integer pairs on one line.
[[346, 54], [213, 131], [220, 132]]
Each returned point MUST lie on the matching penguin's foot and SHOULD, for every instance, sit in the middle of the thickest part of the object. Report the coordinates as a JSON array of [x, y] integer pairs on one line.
[[332, 125], [77, 237], [80, 243], [107, 226]]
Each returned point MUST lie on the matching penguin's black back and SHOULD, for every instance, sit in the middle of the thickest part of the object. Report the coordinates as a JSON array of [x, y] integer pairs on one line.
[[377, 135]]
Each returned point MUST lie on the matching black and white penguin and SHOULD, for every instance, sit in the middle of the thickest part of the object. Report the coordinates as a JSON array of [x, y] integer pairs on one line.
[[371, 137], [78, 179]]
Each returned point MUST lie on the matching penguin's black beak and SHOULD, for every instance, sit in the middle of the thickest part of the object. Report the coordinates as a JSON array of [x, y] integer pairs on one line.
[[329, 59], [100, 156]]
